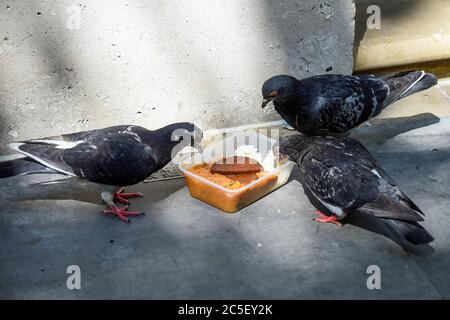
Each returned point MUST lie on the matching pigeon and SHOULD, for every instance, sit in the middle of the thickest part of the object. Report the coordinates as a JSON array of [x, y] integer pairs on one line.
[[332, 104], [114, 157], [343, 177]]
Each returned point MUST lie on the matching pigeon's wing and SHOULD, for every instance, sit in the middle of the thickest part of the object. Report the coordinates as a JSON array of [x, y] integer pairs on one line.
[[336, 181], [103, 156], [49, 150], [394, 191], [119, 159], [386, 207], [389, 186], [343, 102], [89, 135], [391, 202], [46, 153], [403, 84], [345, 178]]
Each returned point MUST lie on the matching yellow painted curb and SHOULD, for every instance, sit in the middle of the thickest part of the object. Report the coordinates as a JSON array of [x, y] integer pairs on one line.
[[412, 35]]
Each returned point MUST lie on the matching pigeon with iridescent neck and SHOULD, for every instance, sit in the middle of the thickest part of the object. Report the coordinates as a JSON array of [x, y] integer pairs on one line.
[[332, 104], [114, 157], [343, 178]]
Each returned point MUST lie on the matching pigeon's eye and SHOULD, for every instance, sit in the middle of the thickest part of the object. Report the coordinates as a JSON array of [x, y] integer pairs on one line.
[[273, 93]]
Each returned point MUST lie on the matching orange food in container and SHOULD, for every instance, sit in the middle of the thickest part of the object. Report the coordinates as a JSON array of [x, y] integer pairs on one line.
[[233, 192]]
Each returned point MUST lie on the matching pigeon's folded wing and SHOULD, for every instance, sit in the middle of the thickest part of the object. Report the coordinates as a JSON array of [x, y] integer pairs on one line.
[[386, 207], [346, 101], [337, 181], [350, 179], [114, 159], [47, 152]]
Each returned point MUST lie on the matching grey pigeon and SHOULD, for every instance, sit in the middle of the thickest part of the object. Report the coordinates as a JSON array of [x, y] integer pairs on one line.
[[114, 157], [344, 178], [333, 103]]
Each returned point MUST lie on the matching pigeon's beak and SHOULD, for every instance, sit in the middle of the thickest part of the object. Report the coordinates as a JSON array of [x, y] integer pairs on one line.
[[265, 102]]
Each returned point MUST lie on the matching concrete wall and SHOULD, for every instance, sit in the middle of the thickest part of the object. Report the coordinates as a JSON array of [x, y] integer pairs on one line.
[[155, 62]]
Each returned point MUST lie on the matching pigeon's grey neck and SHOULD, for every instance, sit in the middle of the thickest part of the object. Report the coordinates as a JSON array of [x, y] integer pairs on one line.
[[295, 146]]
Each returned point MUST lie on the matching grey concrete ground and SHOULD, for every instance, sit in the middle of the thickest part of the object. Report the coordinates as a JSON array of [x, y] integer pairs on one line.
[[184, 248]]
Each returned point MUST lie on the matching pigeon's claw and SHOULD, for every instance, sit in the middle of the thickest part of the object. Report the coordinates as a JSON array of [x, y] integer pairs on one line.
[[122, 197], [122, 213], [331, 219]]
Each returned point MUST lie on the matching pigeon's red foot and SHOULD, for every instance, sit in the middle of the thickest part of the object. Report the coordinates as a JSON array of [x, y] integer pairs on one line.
[[122, 197], [122, 213], [331, 219]]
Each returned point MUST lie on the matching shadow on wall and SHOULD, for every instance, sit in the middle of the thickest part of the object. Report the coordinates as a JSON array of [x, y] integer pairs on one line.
[[132, 56], [4, 128], [286, 35], [307, 52], [56, 62], [215, 76], [197, 58], [30, 33], [390, 10]]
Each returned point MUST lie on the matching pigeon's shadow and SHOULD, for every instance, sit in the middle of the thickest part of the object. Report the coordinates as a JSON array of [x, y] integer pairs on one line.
[[382, 130], [60, 187]]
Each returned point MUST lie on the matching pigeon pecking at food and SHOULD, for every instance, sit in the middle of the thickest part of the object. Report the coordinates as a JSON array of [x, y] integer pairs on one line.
[[333, 103], [115, 157], [344, 178]]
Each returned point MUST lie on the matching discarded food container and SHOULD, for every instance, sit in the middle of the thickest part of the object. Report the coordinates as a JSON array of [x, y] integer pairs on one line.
[[226, 192]]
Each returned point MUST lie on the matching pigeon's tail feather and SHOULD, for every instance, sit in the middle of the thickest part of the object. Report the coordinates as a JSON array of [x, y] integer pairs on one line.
[[400, 217], [406, 83], [22, 166], [410, 231]]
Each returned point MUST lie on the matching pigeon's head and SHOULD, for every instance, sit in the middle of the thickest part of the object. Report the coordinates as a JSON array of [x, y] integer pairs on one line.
[[186, 133], [292, 146], [278, 88]]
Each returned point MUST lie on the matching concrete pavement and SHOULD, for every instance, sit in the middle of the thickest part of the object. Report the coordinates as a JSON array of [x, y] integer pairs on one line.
[[184, 248]]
